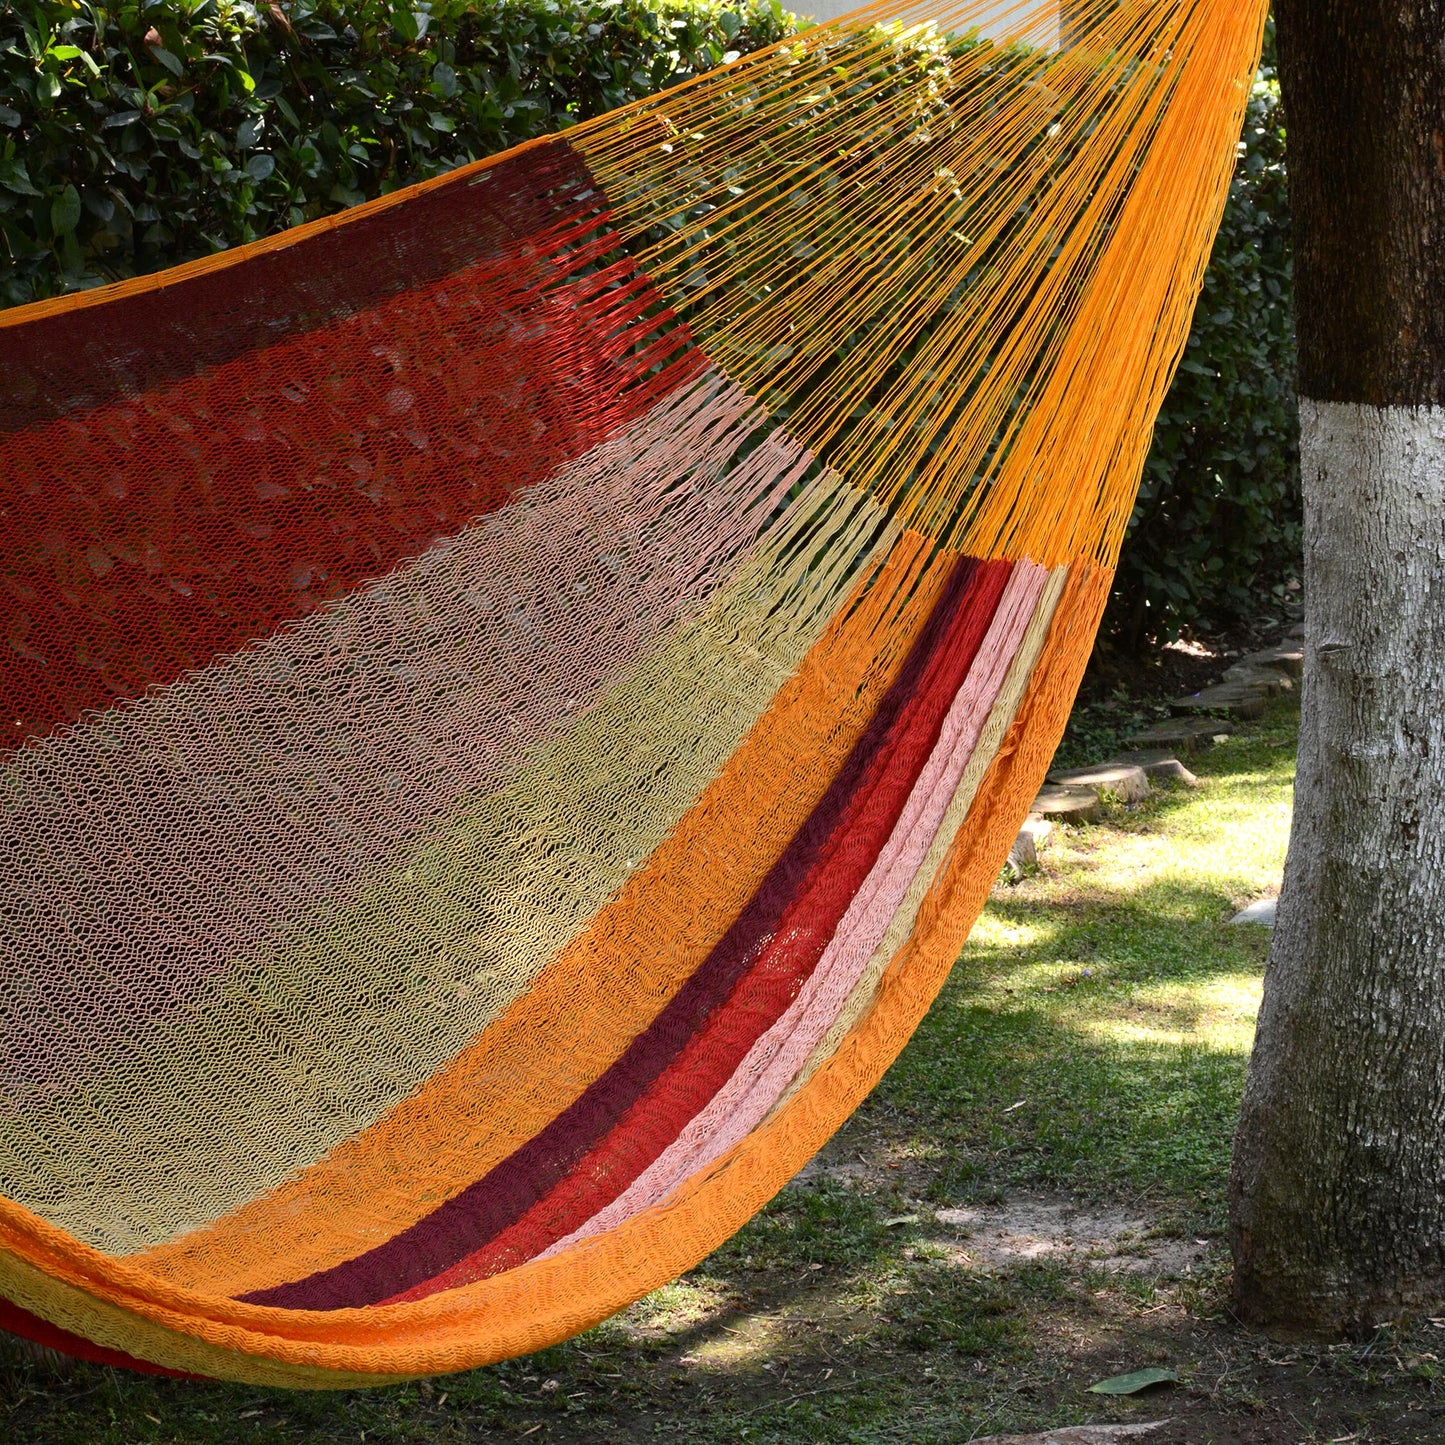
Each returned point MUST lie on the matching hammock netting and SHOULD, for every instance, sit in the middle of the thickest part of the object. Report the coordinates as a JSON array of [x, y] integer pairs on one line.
[[515, 694]]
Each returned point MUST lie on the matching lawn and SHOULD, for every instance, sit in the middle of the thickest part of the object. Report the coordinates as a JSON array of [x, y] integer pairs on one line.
[[1031, 1200]]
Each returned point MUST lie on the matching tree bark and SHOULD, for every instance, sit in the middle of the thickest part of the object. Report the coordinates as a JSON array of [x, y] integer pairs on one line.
[[1337, 1196]]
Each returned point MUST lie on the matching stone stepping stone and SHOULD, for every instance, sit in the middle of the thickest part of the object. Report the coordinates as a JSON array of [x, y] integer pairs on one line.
[[1288, 658], [1261, 911], [1024, 855], [1080, 1435], [1268, 680], [1182, 734], [1242, 702], [1159, 764], [1069, 805], [1127, 783]]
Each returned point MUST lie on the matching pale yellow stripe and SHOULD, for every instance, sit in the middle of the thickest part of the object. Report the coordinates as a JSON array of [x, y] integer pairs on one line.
[[106, 1324], [295, 1050]]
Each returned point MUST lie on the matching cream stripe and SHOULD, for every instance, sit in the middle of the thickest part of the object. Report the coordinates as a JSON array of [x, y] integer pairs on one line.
[[306, 1045], [148, 849]]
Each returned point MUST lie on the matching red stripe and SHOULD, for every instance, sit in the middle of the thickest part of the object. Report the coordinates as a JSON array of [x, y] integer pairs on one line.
[[27, 1326], [713, 1054], [148, 535], [488, 1205]]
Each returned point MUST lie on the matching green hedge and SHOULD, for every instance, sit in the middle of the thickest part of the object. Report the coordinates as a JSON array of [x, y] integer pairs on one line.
[[137, 136], [1216, 531], [142, 134]]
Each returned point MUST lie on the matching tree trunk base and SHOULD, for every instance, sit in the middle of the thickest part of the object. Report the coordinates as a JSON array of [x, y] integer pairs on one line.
[[1308, 1314]]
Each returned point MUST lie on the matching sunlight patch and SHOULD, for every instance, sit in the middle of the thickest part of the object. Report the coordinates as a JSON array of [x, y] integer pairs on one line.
[[1217, 1015]]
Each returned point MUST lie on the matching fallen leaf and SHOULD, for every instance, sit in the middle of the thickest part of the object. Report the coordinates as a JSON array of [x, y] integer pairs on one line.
[[1134, 1381], [900, 1219]]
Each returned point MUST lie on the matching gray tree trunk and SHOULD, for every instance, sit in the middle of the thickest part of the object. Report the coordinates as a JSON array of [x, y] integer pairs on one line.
[[1337, 1197]]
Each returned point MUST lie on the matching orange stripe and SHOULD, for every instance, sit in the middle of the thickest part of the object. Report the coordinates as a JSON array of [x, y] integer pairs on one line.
[[604, 988]]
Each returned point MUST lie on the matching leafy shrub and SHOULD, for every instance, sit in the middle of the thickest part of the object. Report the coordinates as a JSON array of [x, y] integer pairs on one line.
[[1217, 526], [139, 135]]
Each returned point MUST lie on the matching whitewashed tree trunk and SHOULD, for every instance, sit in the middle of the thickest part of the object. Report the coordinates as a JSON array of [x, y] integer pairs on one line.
[[1339, 1187], [1337, 1198]]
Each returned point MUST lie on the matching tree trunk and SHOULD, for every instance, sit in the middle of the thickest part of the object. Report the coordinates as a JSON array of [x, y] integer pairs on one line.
[[1337, 1197]]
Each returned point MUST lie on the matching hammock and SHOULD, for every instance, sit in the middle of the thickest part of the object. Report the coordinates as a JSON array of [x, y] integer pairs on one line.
[[516, 693]]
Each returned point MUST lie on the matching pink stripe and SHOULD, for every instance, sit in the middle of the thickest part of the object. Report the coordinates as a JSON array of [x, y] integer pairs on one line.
[[774, 1060], [147, 848]]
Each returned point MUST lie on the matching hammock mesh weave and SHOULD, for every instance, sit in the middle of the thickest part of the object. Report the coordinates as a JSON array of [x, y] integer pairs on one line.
[[514, 695]]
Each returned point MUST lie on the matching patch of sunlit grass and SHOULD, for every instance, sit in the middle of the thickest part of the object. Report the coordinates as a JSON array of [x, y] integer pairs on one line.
[[684, 1304], [1094, 1034], [753, 1341], [997, 931], [1216, 1014]]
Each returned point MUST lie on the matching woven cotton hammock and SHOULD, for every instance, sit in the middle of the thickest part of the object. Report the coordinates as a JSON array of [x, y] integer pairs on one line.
[[516, 693]]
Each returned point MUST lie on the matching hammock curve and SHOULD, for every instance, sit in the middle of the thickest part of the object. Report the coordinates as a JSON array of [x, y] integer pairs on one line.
[[516, 693]]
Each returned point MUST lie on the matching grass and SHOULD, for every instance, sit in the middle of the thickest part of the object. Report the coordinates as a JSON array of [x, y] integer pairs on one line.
[[1087, 1054], [1108, 1003]]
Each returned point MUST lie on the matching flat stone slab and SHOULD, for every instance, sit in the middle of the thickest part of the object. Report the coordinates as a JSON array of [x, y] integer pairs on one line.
[[1159, 765], [1127, 783], [1268, 680], [1186, 735], [1288, 658], [1069, 805], [1244, 702], [1261, 911]]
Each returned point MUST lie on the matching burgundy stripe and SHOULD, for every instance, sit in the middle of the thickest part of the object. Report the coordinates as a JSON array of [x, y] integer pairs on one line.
[[761, 997], [80, 359], [144, 537], [502, 1196]]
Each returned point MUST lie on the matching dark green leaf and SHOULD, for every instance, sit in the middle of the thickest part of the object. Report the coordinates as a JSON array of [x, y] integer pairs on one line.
[[14, 177], [164, 56], [65, 212]]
